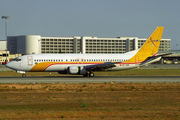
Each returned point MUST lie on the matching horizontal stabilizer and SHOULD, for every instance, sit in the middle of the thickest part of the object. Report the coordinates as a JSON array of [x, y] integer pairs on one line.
[[160, 55], [152, 59]]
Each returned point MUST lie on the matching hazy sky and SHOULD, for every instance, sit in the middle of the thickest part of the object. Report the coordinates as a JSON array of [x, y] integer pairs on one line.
[[100, 18]]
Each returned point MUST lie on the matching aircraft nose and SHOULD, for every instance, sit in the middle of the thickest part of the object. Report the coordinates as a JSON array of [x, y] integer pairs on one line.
[[8, 65]]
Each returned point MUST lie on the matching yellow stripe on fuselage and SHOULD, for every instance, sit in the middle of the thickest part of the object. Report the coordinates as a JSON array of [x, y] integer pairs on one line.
[[40, 67]]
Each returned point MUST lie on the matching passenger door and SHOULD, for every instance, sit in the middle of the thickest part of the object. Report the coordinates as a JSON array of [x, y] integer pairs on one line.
[[30, 60]]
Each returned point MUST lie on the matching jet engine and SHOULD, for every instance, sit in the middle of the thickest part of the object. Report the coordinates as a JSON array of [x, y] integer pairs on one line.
[[76, 70]]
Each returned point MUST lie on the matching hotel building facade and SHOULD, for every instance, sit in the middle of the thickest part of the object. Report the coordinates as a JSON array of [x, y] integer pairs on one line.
[[36, 44]]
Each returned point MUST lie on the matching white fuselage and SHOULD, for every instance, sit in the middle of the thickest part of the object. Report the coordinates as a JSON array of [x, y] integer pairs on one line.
[[60, 62]]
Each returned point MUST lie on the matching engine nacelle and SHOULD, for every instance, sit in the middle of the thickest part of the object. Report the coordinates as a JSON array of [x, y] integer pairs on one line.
[[73, 69], [76, 70]]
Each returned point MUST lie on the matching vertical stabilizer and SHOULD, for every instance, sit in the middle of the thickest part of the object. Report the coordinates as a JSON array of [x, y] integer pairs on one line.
[[150, 47]]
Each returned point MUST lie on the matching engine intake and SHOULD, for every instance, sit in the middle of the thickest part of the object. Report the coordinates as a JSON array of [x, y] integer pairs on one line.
[[73, 69], [76, 70]]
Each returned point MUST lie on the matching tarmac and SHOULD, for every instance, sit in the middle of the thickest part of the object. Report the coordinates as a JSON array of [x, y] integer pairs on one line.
[[97, 79], [152, 66]]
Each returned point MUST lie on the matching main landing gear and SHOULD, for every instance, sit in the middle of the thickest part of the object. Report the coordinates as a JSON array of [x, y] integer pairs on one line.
[[90, 74]]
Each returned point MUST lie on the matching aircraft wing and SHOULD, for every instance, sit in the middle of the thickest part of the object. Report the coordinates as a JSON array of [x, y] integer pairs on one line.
[[98, 67]]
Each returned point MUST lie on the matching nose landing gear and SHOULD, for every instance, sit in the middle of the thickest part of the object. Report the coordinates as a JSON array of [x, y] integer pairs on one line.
[[22, 72], [23, 75]]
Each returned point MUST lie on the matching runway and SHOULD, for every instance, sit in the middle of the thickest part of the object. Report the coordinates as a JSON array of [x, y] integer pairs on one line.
[[96, 79]]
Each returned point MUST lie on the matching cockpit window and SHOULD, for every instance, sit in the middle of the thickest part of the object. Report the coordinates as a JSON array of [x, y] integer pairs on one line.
[[17, 59]]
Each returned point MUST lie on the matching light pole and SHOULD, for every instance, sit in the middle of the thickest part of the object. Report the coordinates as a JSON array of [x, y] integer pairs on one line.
[[5, 17]]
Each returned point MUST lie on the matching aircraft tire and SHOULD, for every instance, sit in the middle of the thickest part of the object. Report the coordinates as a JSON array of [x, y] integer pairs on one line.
[[91, 74], [23, 75]]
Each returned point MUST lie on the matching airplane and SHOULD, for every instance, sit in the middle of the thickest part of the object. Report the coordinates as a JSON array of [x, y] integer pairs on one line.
[[86, 64]]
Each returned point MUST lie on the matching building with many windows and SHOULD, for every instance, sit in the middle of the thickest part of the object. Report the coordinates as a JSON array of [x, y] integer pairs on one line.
[[35, 44], [96, 45]]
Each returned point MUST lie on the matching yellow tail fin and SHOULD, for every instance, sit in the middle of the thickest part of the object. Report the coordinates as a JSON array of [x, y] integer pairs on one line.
[[150, 47]]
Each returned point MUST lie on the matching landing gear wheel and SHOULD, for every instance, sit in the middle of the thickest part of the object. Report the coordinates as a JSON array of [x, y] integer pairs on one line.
[[91, 74], [23, 75]]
